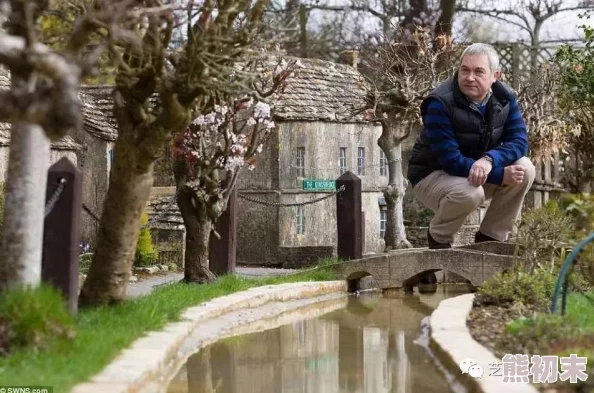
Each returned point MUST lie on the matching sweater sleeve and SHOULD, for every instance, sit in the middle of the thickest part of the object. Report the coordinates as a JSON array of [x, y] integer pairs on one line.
[[514, 141], [440, 135]]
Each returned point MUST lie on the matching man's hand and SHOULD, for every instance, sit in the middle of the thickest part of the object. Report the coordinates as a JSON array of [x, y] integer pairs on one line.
[[513, 175], [479, 172]]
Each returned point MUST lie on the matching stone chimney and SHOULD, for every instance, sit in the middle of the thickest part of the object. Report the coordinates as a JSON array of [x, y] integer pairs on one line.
[[349, 57]]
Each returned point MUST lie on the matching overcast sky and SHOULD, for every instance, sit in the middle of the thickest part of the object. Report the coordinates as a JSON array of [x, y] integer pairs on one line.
[[562, 26]]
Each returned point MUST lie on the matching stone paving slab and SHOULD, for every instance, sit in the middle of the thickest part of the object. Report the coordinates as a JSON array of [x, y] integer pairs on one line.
[[453, 343], [153, 359]]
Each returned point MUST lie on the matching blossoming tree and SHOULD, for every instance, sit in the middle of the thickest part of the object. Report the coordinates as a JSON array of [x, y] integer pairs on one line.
[[208, 158]]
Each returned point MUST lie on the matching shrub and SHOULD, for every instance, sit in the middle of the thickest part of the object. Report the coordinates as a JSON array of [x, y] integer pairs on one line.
[[577, 76], [424, 217], [146, 254], [533, 290], [576, 94], [33, 318], [581, 208], [542, 233]]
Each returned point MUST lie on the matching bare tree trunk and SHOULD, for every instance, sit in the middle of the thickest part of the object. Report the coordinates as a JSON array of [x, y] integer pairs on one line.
[[130, 185], [24, 207], [535, 47], [444, 24], [395, 236], [303, 31], [198, 228]]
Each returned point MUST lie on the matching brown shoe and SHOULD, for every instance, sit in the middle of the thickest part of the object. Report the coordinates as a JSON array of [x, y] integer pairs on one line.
[[433, 245], [480, 237]]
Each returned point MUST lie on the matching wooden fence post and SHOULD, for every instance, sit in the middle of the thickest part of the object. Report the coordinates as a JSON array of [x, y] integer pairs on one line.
[[223, 250], [516, 65], [61, 232], [348, 217]]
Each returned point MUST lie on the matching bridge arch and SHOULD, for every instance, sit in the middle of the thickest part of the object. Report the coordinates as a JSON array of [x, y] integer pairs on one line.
[[354, 280], [415, 279]]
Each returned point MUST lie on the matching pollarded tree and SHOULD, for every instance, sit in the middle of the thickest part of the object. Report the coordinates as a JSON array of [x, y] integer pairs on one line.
[[400, 74], [208, 158], [159, 88], [42, 105]]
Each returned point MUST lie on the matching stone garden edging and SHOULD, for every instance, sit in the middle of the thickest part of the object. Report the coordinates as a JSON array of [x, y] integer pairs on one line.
[[140, 367], [450, 339]]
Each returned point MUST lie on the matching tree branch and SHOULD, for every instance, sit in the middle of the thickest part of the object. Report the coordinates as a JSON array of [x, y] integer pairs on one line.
[[364, 8], [496, 14], [65, 104]]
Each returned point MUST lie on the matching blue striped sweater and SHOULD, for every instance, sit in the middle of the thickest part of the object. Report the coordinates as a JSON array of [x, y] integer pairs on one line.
[[441, 137]]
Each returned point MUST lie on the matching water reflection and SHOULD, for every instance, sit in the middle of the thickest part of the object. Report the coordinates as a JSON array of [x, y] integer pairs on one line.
[[367, 347]]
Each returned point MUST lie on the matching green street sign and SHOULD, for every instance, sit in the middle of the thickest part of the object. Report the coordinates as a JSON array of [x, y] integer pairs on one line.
[[314, 185]]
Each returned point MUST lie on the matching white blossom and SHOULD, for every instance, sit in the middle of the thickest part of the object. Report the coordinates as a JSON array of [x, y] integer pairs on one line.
[[259, 149], [199, 121], [269, 125], [251, 122], [251, 167], [261, 110], [238, 148], [234, 163], [210, 118], [222, 109]]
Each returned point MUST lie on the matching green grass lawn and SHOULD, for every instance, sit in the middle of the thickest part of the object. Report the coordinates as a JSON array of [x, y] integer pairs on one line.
[[580, 313], [102, 332], [553, 334], [580, 310]]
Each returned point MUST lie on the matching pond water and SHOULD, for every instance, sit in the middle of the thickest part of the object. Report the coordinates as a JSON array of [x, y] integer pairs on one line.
[[376, 344]]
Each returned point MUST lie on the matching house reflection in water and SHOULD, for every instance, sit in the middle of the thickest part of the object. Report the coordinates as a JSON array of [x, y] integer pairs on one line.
[[368, 347]]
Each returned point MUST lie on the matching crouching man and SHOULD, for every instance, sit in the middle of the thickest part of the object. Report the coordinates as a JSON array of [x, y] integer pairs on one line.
[[473, 148]]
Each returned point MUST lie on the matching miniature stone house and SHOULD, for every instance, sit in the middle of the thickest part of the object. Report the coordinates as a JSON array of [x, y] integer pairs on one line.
[[66, 147], [318, 137], [97, 139]]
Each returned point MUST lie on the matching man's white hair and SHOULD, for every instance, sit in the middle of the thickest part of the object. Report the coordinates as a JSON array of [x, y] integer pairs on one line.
[[484, 49]]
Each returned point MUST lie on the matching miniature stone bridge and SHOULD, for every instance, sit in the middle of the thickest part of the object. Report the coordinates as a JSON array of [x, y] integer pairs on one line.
[[403, 268]]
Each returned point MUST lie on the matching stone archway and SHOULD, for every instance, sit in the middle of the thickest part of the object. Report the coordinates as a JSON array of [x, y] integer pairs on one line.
[[354, 280], [414, 280]]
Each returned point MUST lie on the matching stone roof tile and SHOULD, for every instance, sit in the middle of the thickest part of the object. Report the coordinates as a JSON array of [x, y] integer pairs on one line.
[[98, 119], [322, 91]]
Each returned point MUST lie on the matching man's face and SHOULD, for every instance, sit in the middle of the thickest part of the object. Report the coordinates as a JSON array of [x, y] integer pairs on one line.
[[476, 77]]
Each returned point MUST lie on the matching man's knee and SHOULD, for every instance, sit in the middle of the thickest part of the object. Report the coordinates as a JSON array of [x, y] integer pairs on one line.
[[530, 172], [467, 196]]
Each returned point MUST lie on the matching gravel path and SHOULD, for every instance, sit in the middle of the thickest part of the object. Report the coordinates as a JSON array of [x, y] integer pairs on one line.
[[144, 286]]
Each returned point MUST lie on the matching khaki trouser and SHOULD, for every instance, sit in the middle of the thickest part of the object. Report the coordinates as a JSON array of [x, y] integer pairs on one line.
[[453, 198]]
